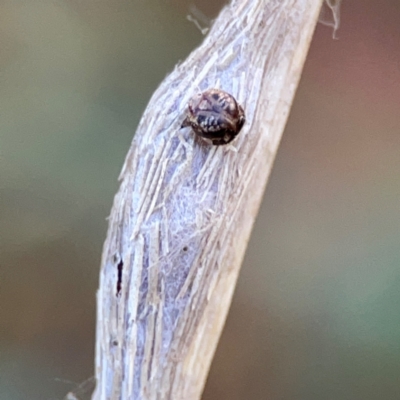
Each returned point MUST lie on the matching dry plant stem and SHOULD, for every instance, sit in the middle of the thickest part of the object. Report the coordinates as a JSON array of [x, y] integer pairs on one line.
[[182, 217]]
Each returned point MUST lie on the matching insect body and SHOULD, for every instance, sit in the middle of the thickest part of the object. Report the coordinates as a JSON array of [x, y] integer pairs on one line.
[[215, 115]]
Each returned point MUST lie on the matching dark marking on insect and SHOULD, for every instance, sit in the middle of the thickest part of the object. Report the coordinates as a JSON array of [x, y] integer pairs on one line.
[[215, 115]]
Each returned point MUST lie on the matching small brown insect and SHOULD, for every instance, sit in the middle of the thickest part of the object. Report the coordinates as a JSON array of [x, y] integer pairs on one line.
[[215, 115]]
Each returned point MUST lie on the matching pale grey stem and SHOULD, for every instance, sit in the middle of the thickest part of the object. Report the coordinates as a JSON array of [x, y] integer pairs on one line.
[[182, 217]]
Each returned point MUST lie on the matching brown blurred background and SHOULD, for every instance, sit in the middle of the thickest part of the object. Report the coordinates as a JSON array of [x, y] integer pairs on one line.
[[316, 314]]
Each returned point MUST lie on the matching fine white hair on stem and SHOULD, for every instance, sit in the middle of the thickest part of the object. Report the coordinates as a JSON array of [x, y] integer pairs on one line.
[[199, 18], [333, 19]]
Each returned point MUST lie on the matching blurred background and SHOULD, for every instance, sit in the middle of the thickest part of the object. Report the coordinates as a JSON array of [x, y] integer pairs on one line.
[[316, 313]]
